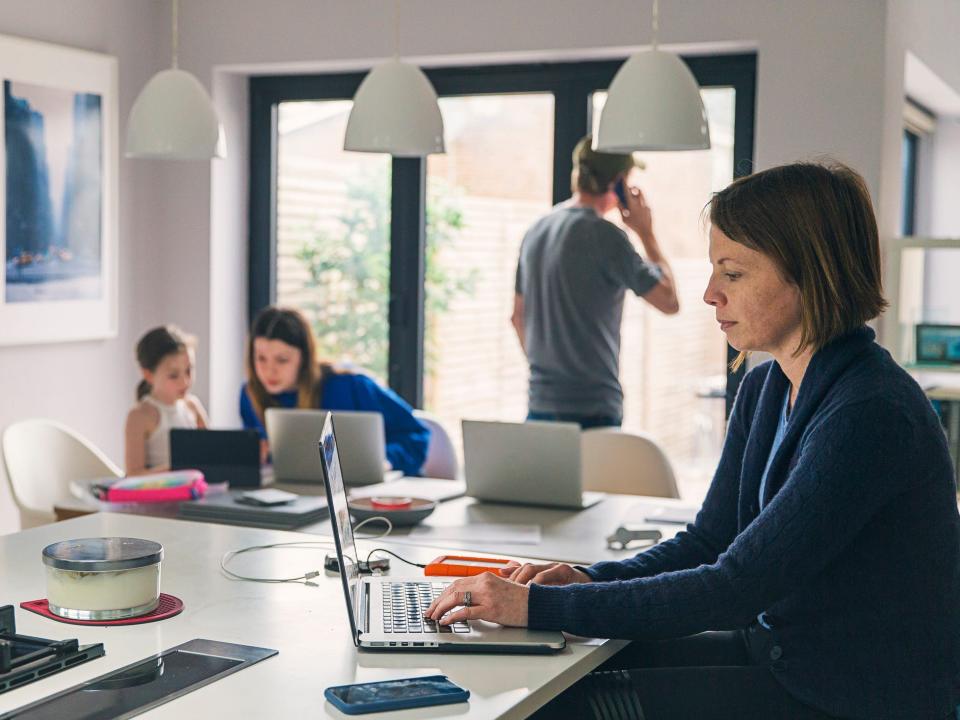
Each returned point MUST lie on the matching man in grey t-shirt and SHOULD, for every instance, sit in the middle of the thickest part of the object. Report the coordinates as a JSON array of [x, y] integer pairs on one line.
[[573, 273]]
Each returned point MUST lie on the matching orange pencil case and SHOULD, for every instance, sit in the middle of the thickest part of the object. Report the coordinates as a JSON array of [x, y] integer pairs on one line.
[[462, 565]]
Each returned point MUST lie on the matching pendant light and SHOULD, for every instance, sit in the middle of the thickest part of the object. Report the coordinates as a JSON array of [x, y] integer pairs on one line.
[[653, 103], [173, 117], [395, 109]]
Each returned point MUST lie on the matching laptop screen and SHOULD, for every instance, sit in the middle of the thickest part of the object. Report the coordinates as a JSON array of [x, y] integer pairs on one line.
[[340, 518], [223, 456]]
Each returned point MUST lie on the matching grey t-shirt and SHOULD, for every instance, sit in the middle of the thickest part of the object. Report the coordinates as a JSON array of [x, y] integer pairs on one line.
[[573, 272]]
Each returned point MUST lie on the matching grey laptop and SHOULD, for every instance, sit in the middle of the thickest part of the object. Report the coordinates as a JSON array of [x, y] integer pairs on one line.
[[293, 440], [531, 463], [387, 612]]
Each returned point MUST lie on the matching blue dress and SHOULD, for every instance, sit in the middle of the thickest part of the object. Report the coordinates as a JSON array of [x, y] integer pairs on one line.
[[406, 437]]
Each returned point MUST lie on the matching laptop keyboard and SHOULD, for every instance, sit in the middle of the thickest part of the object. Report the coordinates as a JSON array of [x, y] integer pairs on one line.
[[404, 604]]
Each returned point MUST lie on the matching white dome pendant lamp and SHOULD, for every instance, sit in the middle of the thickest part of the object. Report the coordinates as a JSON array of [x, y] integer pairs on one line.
[[173, 117], [653, 103], [395, 109]]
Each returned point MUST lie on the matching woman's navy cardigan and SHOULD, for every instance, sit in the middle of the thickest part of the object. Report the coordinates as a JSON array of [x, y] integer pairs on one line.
[[855, 557]]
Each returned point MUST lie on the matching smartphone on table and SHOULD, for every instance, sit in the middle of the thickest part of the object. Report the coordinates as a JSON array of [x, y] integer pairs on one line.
[[384, 695]]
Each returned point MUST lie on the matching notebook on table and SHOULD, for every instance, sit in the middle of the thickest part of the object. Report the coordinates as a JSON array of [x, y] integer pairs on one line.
[[225, 508]]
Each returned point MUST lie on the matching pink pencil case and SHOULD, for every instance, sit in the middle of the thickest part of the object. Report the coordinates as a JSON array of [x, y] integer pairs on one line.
[[159, 487]]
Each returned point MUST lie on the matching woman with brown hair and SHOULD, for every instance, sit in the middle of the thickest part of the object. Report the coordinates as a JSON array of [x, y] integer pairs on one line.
[[821, 577], [283, 371]]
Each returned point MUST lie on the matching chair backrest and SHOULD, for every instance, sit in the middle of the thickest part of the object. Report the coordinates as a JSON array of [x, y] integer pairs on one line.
[[628, 463], [41, 458], [441, 459]]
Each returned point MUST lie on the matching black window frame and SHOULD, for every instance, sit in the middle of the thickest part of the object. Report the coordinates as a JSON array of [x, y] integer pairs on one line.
[[908, 219], [572, 85]]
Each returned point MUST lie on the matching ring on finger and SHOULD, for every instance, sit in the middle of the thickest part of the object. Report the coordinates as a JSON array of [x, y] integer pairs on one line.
[[467, 598]]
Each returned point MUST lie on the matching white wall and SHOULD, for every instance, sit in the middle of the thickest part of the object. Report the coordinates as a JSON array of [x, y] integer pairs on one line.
[[942, 178], [89, 385], [927, 29], [942, 268]]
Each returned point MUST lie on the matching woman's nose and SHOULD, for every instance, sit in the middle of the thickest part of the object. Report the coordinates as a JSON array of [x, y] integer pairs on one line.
[[711, 296]]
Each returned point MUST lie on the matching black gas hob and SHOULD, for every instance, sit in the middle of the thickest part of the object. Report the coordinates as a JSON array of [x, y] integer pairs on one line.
[[24, 659]]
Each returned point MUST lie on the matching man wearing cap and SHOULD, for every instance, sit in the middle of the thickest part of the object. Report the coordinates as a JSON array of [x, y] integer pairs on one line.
[[573, 273]]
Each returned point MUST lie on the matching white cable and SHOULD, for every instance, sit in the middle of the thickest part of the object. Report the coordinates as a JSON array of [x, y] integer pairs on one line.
[[374, 519], [230, 554]]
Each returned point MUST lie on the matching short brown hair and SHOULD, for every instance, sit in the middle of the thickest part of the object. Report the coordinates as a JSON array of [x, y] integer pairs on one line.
[[816, 222], [594, 171]]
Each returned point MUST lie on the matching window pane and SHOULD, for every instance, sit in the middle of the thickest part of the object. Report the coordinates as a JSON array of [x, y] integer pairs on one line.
[[672, 368], [495, 179], [333, 233]]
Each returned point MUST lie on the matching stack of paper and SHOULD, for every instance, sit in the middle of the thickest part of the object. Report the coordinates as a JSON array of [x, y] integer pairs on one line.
[[503, 533]]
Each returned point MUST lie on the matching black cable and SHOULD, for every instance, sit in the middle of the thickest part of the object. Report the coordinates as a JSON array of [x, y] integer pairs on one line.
[[390, 552]]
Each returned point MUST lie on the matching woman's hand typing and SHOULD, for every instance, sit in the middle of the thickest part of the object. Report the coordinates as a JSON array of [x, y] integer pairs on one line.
[[545, 574]]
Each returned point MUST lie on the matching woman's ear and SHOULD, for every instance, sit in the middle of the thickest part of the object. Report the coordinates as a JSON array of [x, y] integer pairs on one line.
[[148, 375]]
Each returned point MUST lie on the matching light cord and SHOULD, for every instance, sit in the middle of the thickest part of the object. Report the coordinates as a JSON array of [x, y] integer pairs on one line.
[[176, 34], [396, 29], [656, 23]]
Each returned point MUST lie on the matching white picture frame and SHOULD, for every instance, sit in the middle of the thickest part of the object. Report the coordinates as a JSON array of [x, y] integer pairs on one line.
[[59, 278]]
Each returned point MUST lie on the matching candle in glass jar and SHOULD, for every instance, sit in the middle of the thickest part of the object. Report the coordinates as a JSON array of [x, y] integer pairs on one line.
[[103, 578]]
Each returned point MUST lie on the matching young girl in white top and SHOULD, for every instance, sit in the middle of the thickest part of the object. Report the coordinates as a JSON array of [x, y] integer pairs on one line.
[[164, 402]]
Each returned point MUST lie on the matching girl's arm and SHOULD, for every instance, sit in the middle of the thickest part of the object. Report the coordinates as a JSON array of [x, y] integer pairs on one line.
[[196, 407], [252, 422], [406, 437], [138, 427]]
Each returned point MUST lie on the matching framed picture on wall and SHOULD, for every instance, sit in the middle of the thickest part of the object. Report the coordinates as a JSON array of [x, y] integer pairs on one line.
[[58, 190]]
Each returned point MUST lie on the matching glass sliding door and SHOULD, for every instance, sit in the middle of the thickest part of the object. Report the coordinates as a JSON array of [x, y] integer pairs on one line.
[[333, 233], [493, 182], [406, 267], [672, 367]]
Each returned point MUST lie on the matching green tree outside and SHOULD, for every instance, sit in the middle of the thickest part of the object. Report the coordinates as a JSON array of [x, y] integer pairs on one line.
[[349, 273]]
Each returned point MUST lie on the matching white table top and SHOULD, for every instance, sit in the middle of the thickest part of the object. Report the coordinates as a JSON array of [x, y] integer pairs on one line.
[[308, 625], [577, 537], [574, 536]]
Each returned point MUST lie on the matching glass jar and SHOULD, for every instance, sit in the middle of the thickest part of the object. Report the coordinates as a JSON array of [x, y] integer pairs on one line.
[[106, 578]]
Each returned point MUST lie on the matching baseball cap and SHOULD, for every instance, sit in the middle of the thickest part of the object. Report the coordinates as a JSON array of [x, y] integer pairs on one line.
[[599, 169]]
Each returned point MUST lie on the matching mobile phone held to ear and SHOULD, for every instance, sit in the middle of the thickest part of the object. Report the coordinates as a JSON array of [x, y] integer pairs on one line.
[[384, 695], [620, 188]]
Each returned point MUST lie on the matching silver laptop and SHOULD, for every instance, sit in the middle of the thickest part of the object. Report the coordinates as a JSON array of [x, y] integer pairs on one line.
[[531, 463], [293, 440], [387, 612]]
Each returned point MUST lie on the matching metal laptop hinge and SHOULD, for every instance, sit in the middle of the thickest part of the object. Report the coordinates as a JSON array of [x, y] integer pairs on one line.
[[363, 612]]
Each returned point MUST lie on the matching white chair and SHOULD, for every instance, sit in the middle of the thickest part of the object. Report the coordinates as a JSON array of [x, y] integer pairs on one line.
[[441, 459], [41, 458], [628, 463]]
